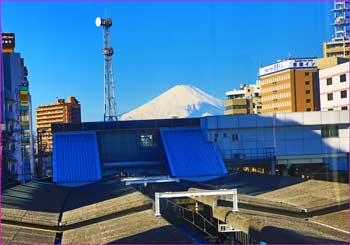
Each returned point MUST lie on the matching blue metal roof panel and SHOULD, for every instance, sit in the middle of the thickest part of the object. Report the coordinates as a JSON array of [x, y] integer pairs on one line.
[[189, 154], [75, 158]]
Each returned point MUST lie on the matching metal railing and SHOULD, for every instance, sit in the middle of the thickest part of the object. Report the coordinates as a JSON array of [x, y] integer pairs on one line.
[[192, 217]]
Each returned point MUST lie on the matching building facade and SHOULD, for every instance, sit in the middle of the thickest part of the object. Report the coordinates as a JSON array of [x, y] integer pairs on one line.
[[245, 100], [334, 87], [302, 143], [290, 86], [60, 112], [18, 149]]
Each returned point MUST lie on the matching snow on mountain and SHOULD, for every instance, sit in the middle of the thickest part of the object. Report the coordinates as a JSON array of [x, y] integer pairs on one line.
[[180, 101]]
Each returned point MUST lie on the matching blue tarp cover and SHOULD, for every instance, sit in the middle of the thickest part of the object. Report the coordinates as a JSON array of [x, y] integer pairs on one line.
[[75, 158], [189, 154]]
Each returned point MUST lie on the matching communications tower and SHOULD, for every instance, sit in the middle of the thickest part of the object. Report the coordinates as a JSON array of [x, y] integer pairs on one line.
[[110, 103], [341, 23]]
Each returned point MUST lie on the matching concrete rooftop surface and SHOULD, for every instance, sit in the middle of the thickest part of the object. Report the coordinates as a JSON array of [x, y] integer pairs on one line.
[[100, 213], [275, 209]]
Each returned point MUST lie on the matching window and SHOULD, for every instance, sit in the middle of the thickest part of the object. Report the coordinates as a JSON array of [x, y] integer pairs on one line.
[[330, 109], [329, 96], [234, 137], [307, 73], [329, 81], [308, 100], [308, 109], [344, 108], [148, 140], [342, 78], [307, 82], [343, 94], [295, 64], [329, 131], [225, 135], [307, 91], [301, 64]]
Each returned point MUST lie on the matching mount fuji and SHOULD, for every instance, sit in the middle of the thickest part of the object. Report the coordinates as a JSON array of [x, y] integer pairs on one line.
[[180, 101]]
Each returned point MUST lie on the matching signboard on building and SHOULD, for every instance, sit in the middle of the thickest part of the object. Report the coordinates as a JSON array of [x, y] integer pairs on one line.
[[288, 64], [8, 40]]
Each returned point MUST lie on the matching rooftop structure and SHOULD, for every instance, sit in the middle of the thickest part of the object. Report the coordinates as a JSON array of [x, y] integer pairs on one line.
[[182, 152]]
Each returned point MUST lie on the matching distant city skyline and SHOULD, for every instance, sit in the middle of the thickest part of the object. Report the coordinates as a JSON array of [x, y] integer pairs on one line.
[[213, 46]]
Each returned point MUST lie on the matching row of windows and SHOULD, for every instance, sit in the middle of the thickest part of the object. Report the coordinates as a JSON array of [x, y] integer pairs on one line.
[[343, 108], [343, 94], [342, 79], [234, 107], [275, 79], [275, 96], [276, 105], [327, 131], [278, 87], [234, 137]]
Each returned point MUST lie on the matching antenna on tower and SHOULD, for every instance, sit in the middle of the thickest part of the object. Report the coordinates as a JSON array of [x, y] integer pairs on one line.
[[110, 102]]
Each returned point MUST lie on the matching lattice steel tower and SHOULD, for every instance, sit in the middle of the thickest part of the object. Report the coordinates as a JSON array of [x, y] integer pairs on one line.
[[110, 103], [341, 20]]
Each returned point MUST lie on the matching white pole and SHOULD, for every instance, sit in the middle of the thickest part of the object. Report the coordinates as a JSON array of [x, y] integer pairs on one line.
[[157, 204]]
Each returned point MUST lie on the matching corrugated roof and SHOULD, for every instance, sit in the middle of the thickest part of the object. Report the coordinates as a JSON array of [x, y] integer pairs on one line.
[[75, 158], [189, 154]]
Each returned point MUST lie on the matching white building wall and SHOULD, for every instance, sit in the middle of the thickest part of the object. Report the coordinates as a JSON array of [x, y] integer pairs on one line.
[[335, 88], [296, 135]]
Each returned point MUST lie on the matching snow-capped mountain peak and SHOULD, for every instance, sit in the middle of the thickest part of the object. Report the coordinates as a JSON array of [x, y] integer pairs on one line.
[[179, 101]]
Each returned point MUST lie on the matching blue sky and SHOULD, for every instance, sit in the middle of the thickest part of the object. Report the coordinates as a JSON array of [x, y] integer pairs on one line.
[[214, 46]]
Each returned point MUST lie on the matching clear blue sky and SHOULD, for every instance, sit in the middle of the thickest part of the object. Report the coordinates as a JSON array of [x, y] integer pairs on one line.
[[214, 46]]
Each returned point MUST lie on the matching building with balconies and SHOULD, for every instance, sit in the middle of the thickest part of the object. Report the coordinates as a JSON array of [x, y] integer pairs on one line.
[[245, 100], [18, 147], [59, 112]]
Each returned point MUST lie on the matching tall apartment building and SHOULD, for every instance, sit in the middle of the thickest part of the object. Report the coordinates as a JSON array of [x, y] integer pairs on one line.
[[290, 86], [60, 112], [335, 87], [245, 100], [18, 148]]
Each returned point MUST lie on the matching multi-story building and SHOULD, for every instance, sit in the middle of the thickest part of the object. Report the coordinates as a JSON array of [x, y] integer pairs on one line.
[[60, 112], [245, 100], [337, 48], [18, 157], [335, 87], [290, 86]]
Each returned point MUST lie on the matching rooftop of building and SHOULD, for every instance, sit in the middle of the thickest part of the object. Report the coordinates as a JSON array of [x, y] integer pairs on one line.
[[274, 208], [103, 212], [280, 209], [59, 102]]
